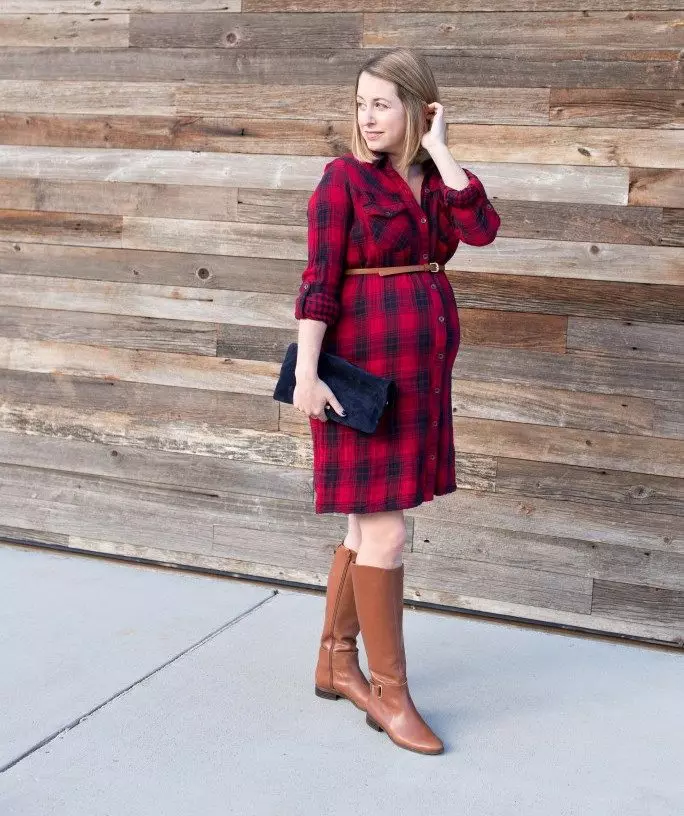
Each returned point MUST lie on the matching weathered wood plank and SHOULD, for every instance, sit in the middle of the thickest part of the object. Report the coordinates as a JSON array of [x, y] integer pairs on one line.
[[632, 602], [210, 272], [604, 375], [87, 97], [587, 485], [585, 260], [164, 368], [625, 338], [664, 457], [123, 331], [61, 228], [487, 327], [600, 185], [148, 300], [561, 407], [118, 6], [600, 525], [593, 107], [211, 475], [668, 419], [99, 30], [295, 66], [554, 554], [513, 585], [619, 146], [567, 296], [59, 504], [647, 186], [604, 223], [425, 5], [116, 198], [73, 398], [85, 6], [224, 30], [553, 34]]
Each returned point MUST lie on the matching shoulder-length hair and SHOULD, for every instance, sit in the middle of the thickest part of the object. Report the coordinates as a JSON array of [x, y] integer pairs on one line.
[[415, 87]]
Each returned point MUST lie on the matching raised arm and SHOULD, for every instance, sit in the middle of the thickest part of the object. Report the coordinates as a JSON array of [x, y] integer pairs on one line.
[[470, 211], [330, 213]]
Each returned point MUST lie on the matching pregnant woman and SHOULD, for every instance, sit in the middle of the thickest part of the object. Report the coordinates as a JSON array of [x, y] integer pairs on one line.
[[383, 221]]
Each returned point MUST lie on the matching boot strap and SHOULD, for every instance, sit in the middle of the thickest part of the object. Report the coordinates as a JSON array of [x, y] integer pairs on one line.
[[378, 684]]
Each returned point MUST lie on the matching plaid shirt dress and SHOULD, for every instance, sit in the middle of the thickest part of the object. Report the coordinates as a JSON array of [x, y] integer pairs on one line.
[[404, 326]]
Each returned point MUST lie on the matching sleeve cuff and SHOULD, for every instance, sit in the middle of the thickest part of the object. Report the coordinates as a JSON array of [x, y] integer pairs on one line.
[[314, 304], [468, 195]]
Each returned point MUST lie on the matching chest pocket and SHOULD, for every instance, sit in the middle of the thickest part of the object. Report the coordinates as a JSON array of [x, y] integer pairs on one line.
[[388, 220]]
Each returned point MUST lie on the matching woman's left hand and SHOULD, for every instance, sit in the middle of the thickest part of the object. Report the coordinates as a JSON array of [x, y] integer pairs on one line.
[[436, 134]]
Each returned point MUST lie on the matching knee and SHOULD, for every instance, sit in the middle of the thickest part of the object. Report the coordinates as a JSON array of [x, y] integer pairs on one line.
[[383, 541]]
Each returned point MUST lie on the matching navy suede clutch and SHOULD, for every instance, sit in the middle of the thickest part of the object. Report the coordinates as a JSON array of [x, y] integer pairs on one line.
[[364, 396]]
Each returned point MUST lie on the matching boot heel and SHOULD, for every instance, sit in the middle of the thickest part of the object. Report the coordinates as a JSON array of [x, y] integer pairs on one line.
[[328, 695], [372, 723]]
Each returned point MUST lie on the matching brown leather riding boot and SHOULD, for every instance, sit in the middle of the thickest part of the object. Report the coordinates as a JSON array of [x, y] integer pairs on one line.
[[338, 673], [379, 595]]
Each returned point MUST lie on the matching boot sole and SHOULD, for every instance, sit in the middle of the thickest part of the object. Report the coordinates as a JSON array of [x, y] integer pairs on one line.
[[377, 727], [333, 695]]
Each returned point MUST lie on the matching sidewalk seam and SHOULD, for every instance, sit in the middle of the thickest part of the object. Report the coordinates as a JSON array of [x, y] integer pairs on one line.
[[192, 647]]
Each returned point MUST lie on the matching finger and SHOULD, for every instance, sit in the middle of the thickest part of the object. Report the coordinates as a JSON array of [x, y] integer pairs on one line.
[[338, 408]]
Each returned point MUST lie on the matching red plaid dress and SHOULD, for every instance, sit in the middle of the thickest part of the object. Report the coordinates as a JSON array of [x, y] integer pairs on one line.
[[403, 326]]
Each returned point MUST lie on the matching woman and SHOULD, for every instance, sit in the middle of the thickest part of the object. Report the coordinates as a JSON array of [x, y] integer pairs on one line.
[[397, 199]]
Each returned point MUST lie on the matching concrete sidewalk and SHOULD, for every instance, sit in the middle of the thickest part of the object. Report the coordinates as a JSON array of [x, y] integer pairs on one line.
[[130, 690]]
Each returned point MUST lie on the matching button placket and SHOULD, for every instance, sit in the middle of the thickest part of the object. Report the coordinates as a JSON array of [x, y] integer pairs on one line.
[[436, 387]]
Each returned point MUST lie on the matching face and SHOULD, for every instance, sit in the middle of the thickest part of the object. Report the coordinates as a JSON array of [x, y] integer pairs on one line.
[[379, 110]]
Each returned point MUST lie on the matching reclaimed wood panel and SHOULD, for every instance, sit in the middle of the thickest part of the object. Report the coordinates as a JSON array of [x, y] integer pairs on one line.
[[152, 238], [580, 34], [119, 198], [293, 66], [73, 30], [477, 290]]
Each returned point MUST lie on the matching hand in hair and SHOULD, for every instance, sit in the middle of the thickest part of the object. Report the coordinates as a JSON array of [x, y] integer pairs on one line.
[[435, 133]]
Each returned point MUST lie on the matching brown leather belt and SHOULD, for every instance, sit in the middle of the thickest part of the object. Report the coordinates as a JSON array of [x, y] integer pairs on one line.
[[433, 266]]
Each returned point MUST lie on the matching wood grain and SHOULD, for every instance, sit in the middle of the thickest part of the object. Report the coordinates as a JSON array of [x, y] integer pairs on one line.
[[156, 161]]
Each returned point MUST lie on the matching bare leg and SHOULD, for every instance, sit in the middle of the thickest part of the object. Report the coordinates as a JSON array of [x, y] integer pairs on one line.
[[383, 537], [352, 541]]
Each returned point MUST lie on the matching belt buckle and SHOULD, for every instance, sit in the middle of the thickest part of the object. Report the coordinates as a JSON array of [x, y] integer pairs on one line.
[[434, 266]]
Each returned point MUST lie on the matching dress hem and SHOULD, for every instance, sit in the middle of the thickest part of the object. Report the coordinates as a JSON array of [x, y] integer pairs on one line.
[[384, 508]]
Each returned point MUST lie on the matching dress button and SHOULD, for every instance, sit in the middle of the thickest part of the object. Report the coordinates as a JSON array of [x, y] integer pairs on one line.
[[436, 390], [432, 456], [441, 356], [434, 424], [433, 285], [306, 285], [425, 255], [441, 318], [423, 220]]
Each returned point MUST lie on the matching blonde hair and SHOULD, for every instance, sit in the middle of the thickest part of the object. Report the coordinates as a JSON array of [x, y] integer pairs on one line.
[[415, 86]]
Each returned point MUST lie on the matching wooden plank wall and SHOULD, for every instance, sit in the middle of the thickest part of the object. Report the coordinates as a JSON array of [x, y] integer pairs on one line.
[[156, 161]]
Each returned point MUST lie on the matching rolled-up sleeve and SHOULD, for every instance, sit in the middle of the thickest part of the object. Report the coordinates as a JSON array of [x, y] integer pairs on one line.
[[329, 214], [470, 212]]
